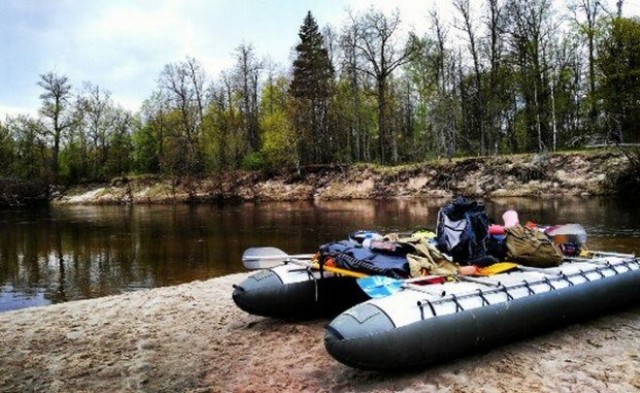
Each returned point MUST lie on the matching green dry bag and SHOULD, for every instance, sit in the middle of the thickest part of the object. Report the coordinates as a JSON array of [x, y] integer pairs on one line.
[[531, 247]]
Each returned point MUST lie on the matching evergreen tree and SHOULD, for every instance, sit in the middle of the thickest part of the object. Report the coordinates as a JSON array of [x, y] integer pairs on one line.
[[311, 87]]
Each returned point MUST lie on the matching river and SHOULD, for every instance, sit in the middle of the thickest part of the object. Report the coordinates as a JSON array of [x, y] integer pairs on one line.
[[61, 253]]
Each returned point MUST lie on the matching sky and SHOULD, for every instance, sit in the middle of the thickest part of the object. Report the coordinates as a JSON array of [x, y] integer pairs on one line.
[[123, 45]]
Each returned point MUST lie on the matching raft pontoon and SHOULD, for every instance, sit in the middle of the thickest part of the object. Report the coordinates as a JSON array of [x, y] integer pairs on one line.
[[421, 325]]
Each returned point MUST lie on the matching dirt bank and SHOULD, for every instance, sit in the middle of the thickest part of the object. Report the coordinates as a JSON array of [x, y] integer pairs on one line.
[[192, 338], [551, 175]]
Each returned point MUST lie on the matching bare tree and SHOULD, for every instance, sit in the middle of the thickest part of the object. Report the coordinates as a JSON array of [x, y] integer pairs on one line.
[[247, 74], [330, 37], [442, 114], [377, 42], [494, 102], [95, 105], [56, 108], [589, 8], [182, 86], [197, 77], [530, 28], [468, 27], [351, 65]]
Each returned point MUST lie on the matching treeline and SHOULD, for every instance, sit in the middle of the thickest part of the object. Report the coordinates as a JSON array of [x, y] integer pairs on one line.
[[510, 76]]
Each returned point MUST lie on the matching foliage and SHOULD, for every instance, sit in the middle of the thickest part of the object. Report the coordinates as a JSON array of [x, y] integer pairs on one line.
[[277, 150], [311, 88], [619, 64], [507, 77], [253, 161]]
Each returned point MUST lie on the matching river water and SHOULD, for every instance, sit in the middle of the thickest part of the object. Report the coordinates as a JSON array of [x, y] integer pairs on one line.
[[63, 253]]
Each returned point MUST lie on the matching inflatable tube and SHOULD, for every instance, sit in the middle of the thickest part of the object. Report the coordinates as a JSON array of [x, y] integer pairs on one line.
[[390, 333], [289, 291]]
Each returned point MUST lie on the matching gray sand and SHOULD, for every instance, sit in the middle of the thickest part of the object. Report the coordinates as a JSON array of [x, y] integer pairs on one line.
[[191, 337]]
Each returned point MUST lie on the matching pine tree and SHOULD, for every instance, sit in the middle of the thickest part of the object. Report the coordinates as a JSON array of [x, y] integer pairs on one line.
[[311, 88]]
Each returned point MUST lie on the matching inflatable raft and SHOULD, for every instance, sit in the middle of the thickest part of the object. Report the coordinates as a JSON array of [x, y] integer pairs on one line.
[[293, 291], [421, 325]]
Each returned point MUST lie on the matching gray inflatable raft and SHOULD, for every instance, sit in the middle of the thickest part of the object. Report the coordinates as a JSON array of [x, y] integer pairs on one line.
[[294, 292], [435, 323]]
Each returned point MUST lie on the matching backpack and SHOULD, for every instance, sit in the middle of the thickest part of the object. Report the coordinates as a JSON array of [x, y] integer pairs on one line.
[[531, 247], [462, 232], [386, 262]]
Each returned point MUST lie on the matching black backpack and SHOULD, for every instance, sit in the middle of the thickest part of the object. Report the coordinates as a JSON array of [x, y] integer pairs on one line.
[[463, 232], [347, 255]]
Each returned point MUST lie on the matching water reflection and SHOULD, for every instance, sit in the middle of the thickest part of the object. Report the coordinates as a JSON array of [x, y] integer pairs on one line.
[[58, 254]]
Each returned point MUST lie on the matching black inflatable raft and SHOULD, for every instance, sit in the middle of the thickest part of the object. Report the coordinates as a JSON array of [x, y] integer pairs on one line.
[[418, 326], [292, 291]]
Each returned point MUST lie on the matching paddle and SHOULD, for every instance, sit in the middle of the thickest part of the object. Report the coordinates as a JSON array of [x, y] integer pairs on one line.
[[496, 268], [268, 257], [610, 254], [382, 286], [337, 270]]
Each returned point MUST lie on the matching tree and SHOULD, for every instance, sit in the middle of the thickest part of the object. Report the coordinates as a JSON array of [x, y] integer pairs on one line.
[[56, 109], [498, 96], [7, 150], [377, 43], [118, 155], [29, 149], [145, 148], [97, 110], [311, 87], [150, 136], [354, 86], [619, 63], [277, 149], [438, 84], [531, 25], [588, 28], [247, 73], [478, 106], [182, 87]]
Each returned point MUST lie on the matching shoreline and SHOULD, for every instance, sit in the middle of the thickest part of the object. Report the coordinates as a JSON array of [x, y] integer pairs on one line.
[[528, 175], [191, 337]]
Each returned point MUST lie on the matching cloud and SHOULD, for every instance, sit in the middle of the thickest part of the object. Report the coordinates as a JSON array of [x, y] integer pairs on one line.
[[123, 45]]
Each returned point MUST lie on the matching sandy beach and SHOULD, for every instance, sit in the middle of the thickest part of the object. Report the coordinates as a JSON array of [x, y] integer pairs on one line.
[[192, 338]]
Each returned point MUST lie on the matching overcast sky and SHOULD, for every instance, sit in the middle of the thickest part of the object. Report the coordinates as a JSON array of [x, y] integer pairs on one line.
[[122, 45]]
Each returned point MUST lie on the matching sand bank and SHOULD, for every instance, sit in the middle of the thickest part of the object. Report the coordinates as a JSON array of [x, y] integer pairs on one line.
[[191, 338], [526, 175]]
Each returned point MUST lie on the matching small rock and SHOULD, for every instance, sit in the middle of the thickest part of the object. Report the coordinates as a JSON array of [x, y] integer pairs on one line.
[[75, 334], [145, 345]]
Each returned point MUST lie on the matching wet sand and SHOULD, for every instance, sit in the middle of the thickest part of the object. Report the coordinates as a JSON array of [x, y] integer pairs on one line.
[[192, 338]]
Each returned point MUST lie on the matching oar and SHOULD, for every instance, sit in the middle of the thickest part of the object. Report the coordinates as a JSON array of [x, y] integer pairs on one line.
[[381, 286], [268, 257], [549, 271], [332, 269], [496, 268], [611, 254]]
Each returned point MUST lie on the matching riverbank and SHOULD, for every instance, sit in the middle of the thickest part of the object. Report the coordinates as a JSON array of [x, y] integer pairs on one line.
[[526, 175], [191, 338]]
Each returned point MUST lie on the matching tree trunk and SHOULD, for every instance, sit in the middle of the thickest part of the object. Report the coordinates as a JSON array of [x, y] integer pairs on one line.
[[382, 132]]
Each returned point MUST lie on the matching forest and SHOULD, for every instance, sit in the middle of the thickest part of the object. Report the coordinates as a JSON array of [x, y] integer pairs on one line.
[[504, 77]]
